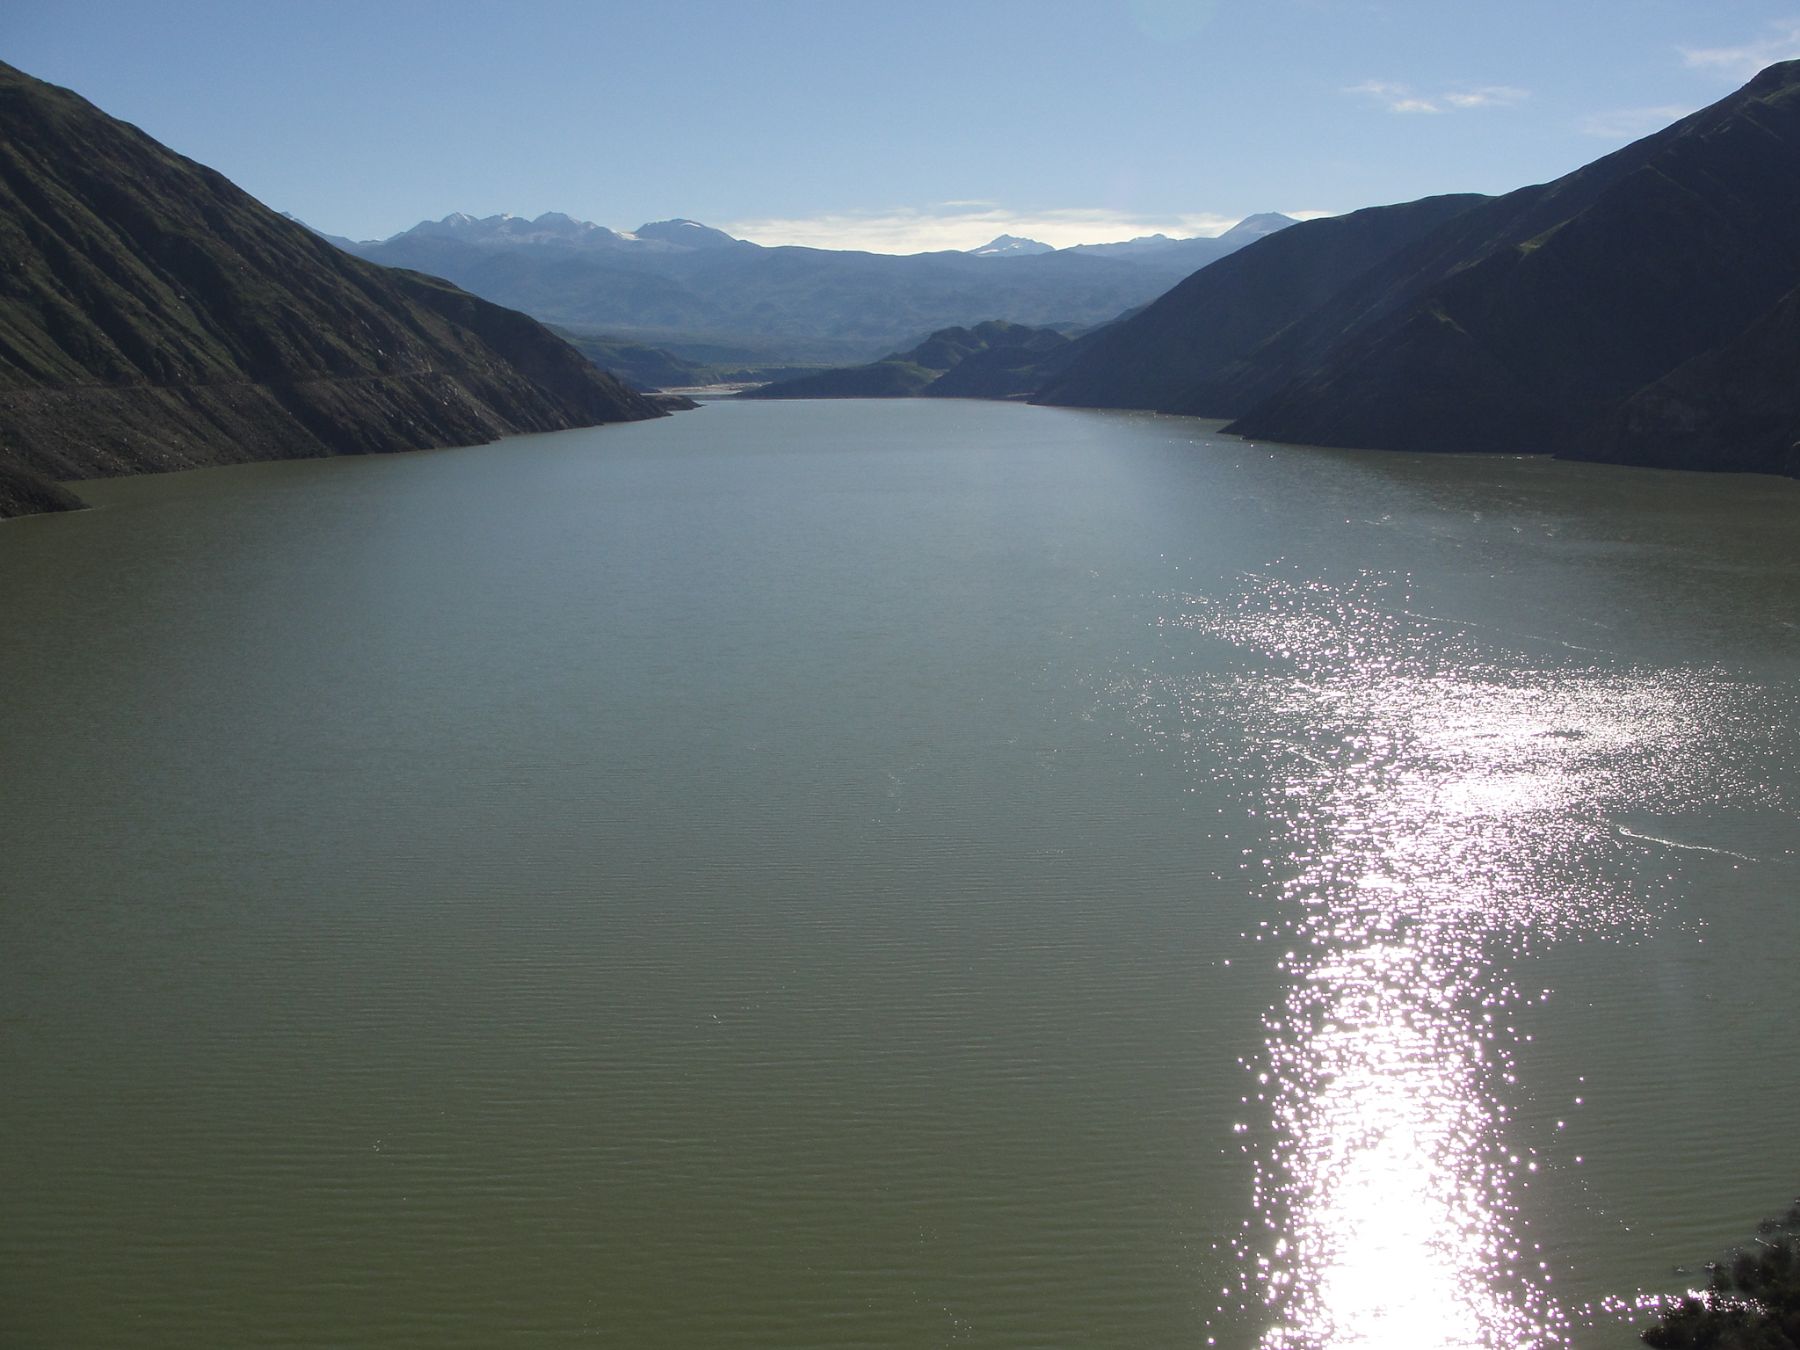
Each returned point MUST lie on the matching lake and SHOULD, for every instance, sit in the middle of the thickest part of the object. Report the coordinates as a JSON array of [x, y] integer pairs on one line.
[[894, 874]]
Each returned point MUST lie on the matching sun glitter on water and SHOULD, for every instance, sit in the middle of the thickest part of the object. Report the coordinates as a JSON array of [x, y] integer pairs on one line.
[[1435, 808]]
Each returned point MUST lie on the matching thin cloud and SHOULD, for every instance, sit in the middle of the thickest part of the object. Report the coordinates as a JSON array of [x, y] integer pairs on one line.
[[1488, 96], [1401, 98], [955, 225], [1627, 124], [1394, 97], [1779, 42]]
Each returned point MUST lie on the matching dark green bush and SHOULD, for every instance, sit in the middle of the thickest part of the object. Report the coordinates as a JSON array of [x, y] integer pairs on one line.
[[1752, 1300]]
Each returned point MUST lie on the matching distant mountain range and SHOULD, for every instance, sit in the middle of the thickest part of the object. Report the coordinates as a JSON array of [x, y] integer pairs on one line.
[[153, 316], [685, 286], [1642, 309], [1198, 251]]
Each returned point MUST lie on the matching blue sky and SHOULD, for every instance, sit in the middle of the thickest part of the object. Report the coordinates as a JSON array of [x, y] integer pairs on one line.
[[895, 126]]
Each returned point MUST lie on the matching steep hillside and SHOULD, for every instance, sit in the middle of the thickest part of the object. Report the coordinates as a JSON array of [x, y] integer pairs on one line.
[[1736, 407], [153, 316], [1524, 323], [1191, 349]]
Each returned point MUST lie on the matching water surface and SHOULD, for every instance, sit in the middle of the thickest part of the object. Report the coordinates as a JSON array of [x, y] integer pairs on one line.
[[893, 874]]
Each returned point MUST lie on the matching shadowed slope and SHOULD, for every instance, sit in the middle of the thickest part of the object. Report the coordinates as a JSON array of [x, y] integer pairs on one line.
[[1519, 324], [153, 316], [1537, 315], [1197, 347]]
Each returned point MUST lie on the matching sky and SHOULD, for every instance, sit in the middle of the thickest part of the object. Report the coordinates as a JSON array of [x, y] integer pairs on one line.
[[891, 125]]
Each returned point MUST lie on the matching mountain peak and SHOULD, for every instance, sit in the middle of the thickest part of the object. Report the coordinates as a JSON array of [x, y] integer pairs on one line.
[[1772, 79], [686, 234], [553, 227], [1255, 227], [1010, 246]]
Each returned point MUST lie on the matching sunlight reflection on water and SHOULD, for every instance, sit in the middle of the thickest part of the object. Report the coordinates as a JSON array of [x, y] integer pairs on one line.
[[1434, 808]]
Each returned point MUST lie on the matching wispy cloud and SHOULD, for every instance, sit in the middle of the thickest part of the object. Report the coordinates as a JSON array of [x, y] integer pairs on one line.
[[1779, 42], [1401, 98], [1488, 96], [1627, 124], [964, 225], [1394, 97]]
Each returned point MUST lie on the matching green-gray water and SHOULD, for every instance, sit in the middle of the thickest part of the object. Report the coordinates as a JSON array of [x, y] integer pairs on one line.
[[893, 875]]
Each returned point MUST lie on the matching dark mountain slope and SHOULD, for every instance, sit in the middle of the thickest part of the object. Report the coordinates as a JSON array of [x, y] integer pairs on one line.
[[1736, 407], [153, 316], [1009, 369], [1525, 324], [1195, 343], [1520, 323]]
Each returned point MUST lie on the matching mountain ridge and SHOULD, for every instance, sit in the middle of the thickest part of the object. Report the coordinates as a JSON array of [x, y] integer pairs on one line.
[[813, 304], [1189, 346], [154, 316], [1524, 323]]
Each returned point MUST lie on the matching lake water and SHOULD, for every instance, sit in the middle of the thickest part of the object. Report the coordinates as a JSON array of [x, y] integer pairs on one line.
[[893, 875]]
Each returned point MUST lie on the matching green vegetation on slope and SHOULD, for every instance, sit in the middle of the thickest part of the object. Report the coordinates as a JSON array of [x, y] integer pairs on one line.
[[1752, 1301]]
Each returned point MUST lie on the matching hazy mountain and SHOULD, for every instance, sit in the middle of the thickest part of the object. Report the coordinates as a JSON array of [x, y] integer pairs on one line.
[[688, 234], [1143, 246], [1009, 246], [681, 285], [1557, 318], [1192, 254], [336, 239], [1252, 228], [994, 359], [153, 316]]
